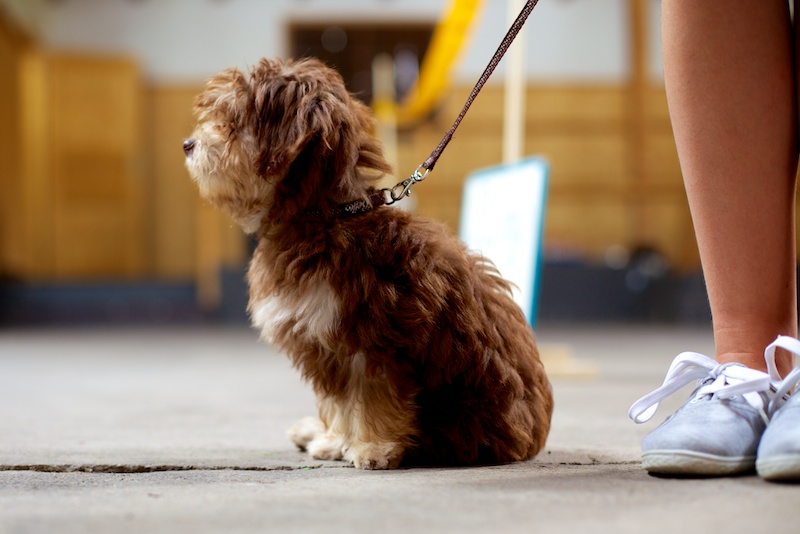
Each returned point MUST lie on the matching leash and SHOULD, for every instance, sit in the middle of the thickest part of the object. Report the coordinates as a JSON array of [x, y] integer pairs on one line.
[[403, 189]]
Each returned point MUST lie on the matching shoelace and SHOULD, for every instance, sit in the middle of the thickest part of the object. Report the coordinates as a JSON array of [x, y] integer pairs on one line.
[[786, 385], [723, 380]]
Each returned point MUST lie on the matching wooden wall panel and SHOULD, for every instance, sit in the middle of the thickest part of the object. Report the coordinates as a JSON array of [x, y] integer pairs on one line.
[[191, 240], [97, 168], [607, 186], [668, 215], [37, 198], [12, 244], [576, 160], [174, 197], [586, 226], [661, 159]]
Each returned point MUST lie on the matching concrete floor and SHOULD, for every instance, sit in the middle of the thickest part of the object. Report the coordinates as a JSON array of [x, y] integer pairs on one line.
[[183, 430]]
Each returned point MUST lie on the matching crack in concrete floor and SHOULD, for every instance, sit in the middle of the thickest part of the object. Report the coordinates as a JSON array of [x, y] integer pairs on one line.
[[129, 468]]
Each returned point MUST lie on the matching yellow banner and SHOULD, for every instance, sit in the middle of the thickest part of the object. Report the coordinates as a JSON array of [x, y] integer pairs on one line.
[[448, 39]]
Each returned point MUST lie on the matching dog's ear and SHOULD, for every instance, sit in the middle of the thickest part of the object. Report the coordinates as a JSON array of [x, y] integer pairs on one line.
[[295, 103]]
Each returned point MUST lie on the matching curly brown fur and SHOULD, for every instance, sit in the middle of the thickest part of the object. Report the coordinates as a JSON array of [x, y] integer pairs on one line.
[[413, 345]]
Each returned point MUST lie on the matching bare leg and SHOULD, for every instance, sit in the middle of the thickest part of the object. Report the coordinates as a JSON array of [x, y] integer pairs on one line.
[[730, 85]]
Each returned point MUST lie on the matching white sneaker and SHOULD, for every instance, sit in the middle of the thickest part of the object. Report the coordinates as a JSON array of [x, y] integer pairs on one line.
[[779, 451], [717, 431]]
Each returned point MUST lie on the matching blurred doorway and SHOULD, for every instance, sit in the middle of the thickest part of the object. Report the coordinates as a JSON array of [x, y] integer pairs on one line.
[[351, 48]]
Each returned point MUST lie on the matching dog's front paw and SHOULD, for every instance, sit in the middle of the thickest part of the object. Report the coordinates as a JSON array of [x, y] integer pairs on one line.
[[375, 455], [309, 434], [304, 431], [327, 446]]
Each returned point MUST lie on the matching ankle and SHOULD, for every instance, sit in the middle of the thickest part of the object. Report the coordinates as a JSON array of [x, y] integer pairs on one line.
[[784, 360]]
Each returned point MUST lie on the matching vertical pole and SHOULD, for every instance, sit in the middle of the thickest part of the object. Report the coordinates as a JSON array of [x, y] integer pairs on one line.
[[637, 120], [514, 101], [383, 104]]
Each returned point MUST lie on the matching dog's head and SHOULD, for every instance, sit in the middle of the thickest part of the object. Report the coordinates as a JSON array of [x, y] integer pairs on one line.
[[285, 138]]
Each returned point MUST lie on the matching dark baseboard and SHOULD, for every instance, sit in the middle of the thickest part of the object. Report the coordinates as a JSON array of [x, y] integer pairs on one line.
[[587, 293], [569, 293]]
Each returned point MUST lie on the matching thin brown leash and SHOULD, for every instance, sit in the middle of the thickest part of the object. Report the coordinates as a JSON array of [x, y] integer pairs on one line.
[[403, 189]]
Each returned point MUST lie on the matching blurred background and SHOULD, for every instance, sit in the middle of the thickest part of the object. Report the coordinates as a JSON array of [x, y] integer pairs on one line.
[[100, 223]]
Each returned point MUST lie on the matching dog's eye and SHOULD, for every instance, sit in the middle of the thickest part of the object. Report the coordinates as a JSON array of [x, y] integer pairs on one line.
[[225, 130]]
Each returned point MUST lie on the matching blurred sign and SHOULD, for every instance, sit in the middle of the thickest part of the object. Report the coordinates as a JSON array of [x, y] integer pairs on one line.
[[502, 217]]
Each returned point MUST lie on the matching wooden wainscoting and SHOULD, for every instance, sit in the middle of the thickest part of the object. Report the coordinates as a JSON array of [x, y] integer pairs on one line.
[[192, 240], [174, 196], [97, 168], [94, 186], [13, 243], [76, 197], [610, 184]]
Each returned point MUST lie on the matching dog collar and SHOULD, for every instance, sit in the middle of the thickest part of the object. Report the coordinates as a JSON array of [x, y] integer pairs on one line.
[[349, 209]]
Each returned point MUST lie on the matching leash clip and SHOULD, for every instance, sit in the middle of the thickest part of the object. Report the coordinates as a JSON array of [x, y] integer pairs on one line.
[[403, 189]]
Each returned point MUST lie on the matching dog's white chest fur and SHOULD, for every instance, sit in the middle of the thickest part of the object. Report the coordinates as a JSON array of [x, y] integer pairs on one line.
[[312, 314]]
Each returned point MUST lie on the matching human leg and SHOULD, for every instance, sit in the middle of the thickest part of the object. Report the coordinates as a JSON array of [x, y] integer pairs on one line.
[[731, 93], [730, 86]]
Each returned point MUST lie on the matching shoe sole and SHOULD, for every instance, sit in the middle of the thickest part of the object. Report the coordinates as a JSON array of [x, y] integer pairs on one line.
[[784, 467], [680, 462]]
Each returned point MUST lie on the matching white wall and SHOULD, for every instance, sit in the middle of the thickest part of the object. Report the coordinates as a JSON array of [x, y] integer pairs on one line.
[[187, 40], [564, 39]]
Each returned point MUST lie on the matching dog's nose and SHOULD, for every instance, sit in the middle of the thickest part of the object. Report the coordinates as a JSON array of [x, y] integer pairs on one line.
[[188, 146]]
